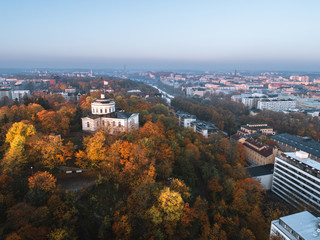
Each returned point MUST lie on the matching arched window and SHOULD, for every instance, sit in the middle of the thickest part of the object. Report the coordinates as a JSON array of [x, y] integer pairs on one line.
[[88, 124]]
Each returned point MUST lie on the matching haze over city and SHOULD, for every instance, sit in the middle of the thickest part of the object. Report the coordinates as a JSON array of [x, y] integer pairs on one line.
[[161, 35]]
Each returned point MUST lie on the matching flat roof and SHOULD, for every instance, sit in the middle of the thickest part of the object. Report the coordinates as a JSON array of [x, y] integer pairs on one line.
[[204, 125], [305, 144], [307, 161], [304, 223], [262, 170]]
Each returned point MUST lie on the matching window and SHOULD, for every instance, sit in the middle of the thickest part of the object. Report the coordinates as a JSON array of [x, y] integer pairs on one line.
[[88, 124], [103, 122], [105, 110], [109, 110], [100, 110], [114, 123], [119, 124]]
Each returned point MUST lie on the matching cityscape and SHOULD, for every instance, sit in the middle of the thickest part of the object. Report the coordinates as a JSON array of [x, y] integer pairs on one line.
[[149, 120]]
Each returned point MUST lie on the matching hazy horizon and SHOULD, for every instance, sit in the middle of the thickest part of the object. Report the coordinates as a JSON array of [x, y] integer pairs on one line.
[[182, 34]]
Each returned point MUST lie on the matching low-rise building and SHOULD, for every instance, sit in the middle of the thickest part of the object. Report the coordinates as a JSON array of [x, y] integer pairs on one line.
[[291, 143], [296, 179], [257, 153], [185, 119], [104, 116], [298, 226], [5, 92], [262, 174], [19, 94], [204, 128], [252, 128]]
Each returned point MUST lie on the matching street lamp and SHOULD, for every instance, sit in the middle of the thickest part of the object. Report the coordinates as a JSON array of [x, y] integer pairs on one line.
[[31, 170]]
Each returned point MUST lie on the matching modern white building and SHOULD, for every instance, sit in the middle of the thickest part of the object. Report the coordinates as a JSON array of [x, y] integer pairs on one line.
[[204, 128], [185, 119], [296, 179], [299, 226], [19, 94], [277, 105], [104, 116]]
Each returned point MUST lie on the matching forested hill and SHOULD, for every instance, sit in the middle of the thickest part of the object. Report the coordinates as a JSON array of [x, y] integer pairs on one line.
[[160, 182]]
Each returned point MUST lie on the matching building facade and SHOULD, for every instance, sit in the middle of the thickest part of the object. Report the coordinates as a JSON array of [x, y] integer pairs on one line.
[[104, 116], [257, 153], [263, 174], [204, 128], [185, 119], [252, 128], [277, 105], [291, 143], [296, 179]]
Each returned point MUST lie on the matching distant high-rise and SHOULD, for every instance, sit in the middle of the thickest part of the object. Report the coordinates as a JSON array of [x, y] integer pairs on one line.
[[300, 78]]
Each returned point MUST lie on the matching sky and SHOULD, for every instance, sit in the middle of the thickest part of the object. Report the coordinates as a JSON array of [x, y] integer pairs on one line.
[[161, 34]]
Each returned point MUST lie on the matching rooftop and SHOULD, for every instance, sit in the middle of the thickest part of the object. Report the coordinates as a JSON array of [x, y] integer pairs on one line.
[[204, 125], [236, 137], [185, 115], [262, 170], [303, 157], [258, 147], [305, 144], [303, 223]]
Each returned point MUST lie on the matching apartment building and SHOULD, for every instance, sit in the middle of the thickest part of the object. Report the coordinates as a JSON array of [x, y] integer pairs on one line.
[[185, 119], [296, 179], [252, 128], [257, 153], [204, 128], [277, 105]]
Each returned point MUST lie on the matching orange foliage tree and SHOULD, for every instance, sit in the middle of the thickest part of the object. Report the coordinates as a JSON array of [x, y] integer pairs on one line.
[[43, 181]]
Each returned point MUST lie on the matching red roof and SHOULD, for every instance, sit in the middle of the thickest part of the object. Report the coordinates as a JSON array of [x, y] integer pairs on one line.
[[236, 137], [266, 151]]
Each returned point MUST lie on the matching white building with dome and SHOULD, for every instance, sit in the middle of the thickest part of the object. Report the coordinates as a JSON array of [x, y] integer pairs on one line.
[[104, 116]]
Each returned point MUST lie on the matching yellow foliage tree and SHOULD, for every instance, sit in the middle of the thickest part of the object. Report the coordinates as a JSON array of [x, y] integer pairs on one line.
[[169, 208], [95, 151], [14, 159]]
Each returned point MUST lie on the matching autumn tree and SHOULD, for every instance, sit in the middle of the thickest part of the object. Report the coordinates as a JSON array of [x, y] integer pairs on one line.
[[95, 151], [42, 181], [15, 160]]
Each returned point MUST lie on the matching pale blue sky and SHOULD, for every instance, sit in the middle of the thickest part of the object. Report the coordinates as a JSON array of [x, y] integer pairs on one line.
[[208, 34]]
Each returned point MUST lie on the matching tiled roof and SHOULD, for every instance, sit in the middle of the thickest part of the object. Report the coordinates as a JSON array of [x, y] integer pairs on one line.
[[265, 151]]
